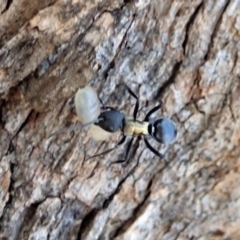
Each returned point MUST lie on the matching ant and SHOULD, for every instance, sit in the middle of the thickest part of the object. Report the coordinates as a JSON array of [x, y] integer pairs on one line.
[[162, 130], [110, 120]]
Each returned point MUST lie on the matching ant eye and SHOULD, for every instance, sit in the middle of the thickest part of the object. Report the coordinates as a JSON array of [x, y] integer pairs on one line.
[[165, 131]]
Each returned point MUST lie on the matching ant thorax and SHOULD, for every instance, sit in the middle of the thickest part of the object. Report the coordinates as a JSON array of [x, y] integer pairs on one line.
[[135, 128]]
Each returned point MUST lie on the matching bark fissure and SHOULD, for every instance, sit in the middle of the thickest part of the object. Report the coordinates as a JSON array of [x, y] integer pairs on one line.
[[190, 24], [215, 30], [136, 213], [169, 81], [86, 224]]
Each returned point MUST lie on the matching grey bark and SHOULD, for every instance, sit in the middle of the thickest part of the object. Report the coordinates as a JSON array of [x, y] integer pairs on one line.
[[185, 53]]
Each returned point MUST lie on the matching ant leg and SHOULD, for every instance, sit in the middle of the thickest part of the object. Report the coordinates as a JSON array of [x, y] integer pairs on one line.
[[126, 154], [152, 149], [105, 107], [128, 148], [100, 100], [137, 102], [111, 149], [152, 111]]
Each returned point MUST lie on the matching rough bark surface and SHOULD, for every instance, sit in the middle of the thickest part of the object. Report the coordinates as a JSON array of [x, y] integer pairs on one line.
[[186, 53]]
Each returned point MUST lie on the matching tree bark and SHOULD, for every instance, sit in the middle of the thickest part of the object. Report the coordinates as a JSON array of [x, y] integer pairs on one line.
[[185, 53]]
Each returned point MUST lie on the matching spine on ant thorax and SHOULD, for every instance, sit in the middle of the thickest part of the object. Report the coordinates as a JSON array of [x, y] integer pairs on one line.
[[134, 127]]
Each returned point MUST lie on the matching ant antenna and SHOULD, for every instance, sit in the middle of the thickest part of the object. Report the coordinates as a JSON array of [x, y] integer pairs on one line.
[[75, 127]]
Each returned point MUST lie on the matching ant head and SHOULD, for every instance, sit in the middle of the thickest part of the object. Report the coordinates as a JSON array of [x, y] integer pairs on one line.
[[111, 121], [163, 130]]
